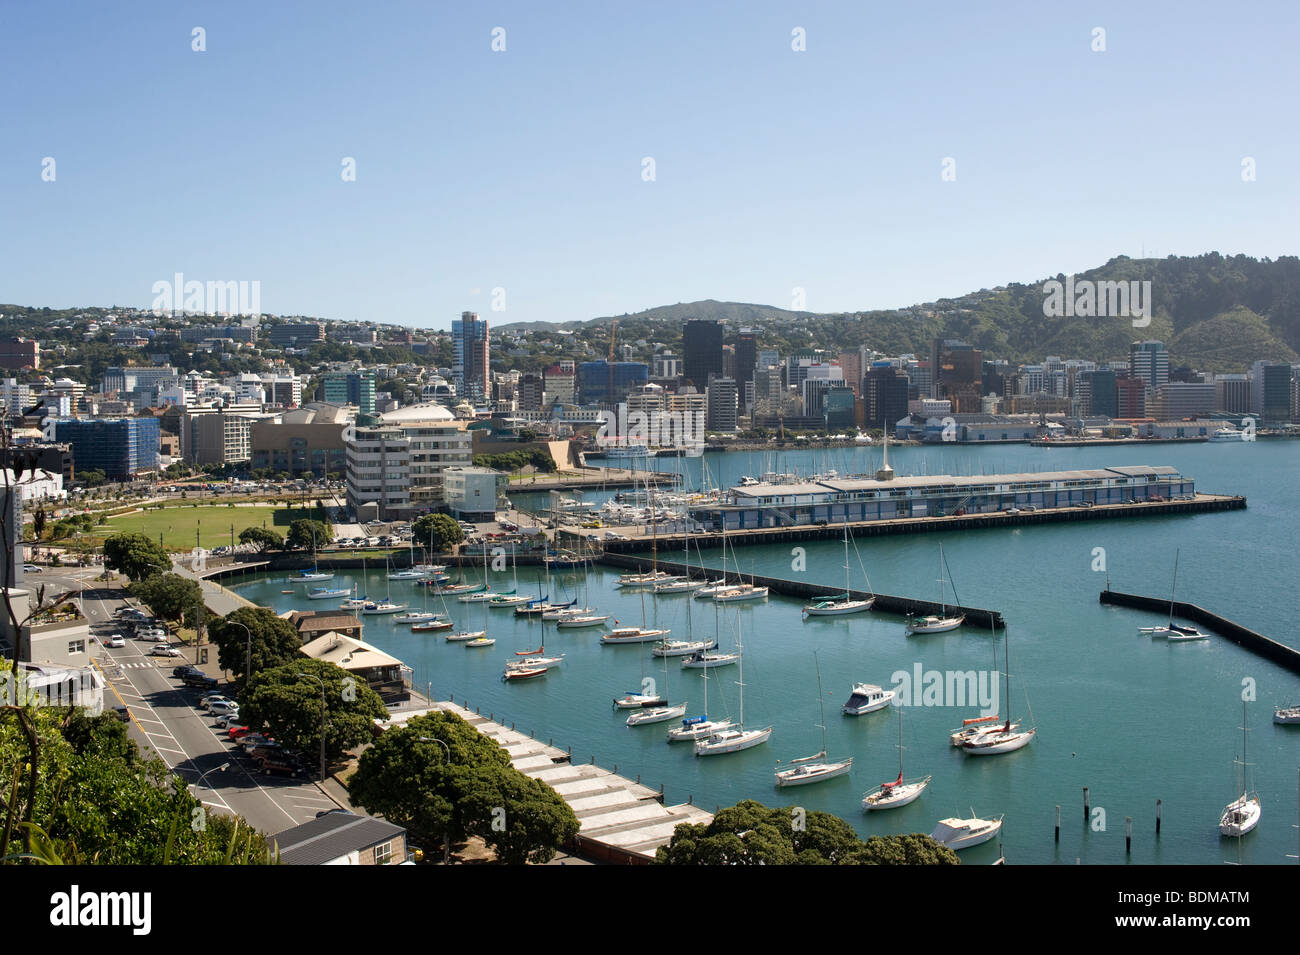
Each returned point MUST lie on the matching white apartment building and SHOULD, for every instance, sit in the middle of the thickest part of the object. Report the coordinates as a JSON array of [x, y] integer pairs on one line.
[[399, 465], [378, 473]]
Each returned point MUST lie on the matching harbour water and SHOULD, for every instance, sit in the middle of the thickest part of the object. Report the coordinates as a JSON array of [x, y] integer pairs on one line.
[[1134, 719]]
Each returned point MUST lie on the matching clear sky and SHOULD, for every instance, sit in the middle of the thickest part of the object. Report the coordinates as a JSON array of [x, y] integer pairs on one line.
[[523, 169]]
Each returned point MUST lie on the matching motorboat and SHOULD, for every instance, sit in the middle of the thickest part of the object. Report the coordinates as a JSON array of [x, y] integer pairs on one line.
[[867, 698], [958, 834], [1235, 435]]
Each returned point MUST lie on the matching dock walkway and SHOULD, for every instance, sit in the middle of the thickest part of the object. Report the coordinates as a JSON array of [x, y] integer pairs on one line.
[[622, 820]]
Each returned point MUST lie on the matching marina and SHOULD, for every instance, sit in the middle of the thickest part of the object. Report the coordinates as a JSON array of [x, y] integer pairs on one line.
[[1076, 659]]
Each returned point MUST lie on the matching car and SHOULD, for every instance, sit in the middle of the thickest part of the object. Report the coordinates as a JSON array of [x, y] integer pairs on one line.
[[113, 640], [224, 708], [237, 731], [121, 713], [280, 765], [164, 650], [614, 536], [32, 569], [1029, 507], [1012, 510], [185, 668], [208, 699], [198, 679]]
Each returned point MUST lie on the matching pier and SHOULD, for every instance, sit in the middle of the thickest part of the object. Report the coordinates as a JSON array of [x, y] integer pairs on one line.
[[794, 534], [975, 616], [622, 821], [1265, 647]]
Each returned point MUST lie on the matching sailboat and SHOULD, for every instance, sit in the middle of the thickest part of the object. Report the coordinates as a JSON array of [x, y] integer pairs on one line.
[[835, 606], [1242, 814], [485, 594], [734, 739], [658, 714], [901, 791], [325, 593], [1172, 631], [641, 634], [942, 622], [1009, 738], [699, 727], [386, 605], [411, 572], [815, 768], [418, 616], [315, 573]]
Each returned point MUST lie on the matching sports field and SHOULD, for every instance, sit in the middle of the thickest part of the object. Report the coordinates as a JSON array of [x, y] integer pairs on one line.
[[212, 521]]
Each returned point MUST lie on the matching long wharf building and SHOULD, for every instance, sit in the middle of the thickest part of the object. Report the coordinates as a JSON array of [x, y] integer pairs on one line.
[[885, 497]]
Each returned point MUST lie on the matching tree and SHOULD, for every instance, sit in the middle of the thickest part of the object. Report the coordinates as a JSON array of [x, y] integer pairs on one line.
[[443, 528], [275, 641], [135, 555], [468, 788], [169, 595], [750, 833], [289, 706], [262, 538], [38, 523], [93, 477], [303, 530]]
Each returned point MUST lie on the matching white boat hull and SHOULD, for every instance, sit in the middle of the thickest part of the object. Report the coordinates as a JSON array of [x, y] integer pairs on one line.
[[896, 797], [573, 623], [634, 636], [963, 833], [657, 714], [697, 731], [731, 741], [990, 744], [838, 608], [807, 773], [711, 661], [736, 596], [1240, 816], [935, 624], [1287, 715]]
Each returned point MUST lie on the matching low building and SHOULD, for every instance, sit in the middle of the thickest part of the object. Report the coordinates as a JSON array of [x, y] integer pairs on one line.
[[381, 672], [310, 624], [342, 838], [471, 493], [61, 638], [44, 684]]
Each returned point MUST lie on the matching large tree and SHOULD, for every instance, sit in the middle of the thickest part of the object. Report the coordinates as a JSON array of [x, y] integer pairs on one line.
[[275, 641], [289, 706], [170, 596], [262, 538], [135, 555], [444, 781], [750, 833], [302, 530], [443, 529]]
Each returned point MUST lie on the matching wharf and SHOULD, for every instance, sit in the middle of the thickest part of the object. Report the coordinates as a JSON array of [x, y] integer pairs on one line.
[[622, 821], [588, 478], [975, 616], [919, 525], [1105, 442], [1265, 647]]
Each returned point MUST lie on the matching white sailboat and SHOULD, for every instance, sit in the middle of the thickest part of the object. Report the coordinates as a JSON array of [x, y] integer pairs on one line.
[[837, 606], [386, 605], [734, 739], [942, 622], [901, 791], [1242, 814], [817, 767], [658, 714], [315, 573], [409, 573], [698, 727], [1009, 737], [1172, 631]]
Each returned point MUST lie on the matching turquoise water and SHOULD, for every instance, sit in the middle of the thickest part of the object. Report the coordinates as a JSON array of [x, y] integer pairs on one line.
[[1132, 718]]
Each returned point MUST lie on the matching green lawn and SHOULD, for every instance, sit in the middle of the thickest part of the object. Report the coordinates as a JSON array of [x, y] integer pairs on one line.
[[213, 522]]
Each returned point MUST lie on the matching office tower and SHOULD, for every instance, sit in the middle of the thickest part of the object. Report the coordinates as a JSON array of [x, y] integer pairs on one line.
[[1149, 361], [469, 336], [351, 388], [702, 351]]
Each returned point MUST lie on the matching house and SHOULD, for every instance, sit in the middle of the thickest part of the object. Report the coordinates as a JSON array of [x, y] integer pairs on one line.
[[342, 838], [381, 672], [310, 624]]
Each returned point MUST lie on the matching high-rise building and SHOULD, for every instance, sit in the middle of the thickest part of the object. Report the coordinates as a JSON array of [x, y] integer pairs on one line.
[[1178, 400], [529, 393], [702, 351], [1232, 394], [1097, 395], [722, 405], [379, 472], [667, 365], [958, 374], [595, 379], [351, 388], [120, 447], [1271, 391], [469, 337], [18, 353], [746, 357], [559, 384], [885, 389], [1130, 398], [1149, 361]]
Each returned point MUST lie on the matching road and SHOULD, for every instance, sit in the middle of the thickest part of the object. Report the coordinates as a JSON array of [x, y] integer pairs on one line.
[[166, 721]]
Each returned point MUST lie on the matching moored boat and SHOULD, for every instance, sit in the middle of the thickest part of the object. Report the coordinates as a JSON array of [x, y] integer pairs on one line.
[[867, 698], [957, 833]]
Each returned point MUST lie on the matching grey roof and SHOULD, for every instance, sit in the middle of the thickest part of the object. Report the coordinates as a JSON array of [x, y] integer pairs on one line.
[[941, 480], [332, 836]]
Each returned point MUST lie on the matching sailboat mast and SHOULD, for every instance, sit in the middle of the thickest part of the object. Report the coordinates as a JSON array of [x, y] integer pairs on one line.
[[1173, 587], [821, 701]]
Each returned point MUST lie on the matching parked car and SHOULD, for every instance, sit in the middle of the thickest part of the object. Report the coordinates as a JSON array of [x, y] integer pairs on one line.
[[197, 678], [210, 699], [235, 731], [224, 708], [164, 650], [185, 668], [279, 765], [32, 569], [113, 640]]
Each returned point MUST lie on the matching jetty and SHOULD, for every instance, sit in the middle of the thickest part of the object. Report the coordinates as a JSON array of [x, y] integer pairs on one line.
[[1265, 647], [622, 821]]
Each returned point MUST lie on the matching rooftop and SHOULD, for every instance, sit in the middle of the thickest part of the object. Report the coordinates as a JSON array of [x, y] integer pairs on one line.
[[332, 836]]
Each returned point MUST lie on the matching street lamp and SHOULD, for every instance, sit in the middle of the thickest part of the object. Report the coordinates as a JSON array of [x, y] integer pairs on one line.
[[446, 838], [216, 769], [248, 652], [322, 721]]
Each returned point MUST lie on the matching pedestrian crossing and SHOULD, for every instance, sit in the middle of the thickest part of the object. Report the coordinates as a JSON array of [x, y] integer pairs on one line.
[[138, 665]]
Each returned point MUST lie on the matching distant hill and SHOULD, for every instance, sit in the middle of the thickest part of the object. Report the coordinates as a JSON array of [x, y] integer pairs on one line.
[[1216, 313]]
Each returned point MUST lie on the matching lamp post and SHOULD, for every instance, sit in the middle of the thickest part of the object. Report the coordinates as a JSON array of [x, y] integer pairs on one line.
[[322, 720], [248, 651], [216, 769], [446, 838]]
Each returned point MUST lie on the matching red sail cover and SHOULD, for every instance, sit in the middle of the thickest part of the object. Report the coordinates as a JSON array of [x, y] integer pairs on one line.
[[896, 782]]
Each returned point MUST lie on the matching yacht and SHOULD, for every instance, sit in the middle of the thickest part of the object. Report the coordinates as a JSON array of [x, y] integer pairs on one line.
[[709, 659], [1228, 434], [325, 593], [682, 648], [633, 635], [656, 714], [958, 834], [382, 607], [867, 698], [576, 621], [842, 604], [743, 592], [632, 701], [1286, 714], [1242, 814]]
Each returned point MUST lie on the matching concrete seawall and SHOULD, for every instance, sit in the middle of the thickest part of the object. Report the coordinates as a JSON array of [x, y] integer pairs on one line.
[[1266, 647]]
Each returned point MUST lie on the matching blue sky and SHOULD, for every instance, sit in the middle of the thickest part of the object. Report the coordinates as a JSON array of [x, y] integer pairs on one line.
[[522, 169]]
